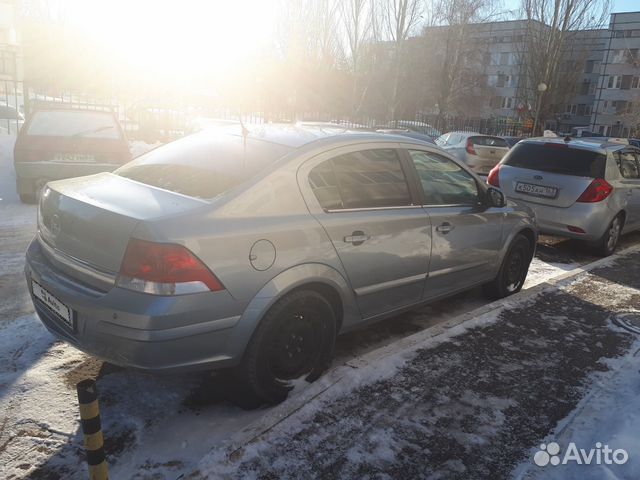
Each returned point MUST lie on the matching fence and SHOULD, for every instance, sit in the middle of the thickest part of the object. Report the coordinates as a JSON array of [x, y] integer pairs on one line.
[[153, 119]]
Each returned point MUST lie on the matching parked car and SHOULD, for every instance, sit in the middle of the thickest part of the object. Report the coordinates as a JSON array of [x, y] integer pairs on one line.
[[418, 127], [10, 119], [253, 250], [407, 133], [59, 143], [480, 152], [578, 188]]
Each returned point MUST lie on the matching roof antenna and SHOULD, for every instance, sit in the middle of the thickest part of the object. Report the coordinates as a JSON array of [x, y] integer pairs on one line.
[[245, 131]]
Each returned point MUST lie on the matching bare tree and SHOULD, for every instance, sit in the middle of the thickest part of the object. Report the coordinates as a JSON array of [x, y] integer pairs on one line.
[[454, 72], [550, 54], [357, 28], [399, 19]]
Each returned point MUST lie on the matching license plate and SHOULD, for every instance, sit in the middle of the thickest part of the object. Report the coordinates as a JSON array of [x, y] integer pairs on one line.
[[537, 190], [56, 306], [74, 157]]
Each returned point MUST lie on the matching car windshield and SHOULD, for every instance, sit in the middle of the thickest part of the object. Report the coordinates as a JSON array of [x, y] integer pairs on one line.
[[557, 158], [203, 166], [74, 124], [489, 141]]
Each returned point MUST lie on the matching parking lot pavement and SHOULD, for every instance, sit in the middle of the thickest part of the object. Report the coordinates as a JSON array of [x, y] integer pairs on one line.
[[474, 402], [153, 425]]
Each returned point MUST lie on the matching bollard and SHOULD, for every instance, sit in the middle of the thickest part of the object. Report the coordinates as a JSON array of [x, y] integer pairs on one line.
[[92, 430]]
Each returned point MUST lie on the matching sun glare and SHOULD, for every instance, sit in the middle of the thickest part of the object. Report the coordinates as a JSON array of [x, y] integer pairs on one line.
[[177, 37]]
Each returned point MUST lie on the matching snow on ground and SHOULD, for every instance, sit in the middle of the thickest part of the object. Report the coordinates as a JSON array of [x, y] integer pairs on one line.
[[540, 271], [609, 414], [471, 403]]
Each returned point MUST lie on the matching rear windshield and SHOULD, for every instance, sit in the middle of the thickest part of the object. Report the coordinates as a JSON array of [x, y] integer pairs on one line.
[[74, 124], [557, 158], [489, 141], [203, 165]]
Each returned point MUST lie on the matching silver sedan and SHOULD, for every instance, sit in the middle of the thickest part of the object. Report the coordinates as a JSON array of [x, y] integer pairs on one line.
[[252, 248]]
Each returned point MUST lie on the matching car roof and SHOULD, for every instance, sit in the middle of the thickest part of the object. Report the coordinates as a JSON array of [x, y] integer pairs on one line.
[[71, 110], [299, 135], [591, 144]]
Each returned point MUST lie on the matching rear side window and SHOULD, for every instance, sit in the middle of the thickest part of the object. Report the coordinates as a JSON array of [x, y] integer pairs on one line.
[[203, 166], [557, 158], [365, 179], [74, 124], [489, 141]]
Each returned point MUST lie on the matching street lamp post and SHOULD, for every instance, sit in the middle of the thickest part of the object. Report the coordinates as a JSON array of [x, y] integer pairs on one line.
[[542, 87]]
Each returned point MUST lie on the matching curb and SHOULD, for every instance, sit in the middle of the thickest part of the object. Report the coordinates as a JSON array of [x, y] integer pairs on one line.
[[290, 406]]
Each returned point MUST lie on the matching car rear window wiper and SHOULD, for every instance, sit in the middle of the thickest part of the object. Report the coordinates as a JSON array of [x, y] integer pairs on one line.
[[93, 130]]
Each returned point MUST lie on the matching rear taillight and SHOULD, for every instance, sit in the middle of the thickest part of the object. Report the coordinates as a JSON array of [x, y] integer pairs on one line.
[[597, 191], [164, 269], [573, 229], [494, 176], [469, 147]]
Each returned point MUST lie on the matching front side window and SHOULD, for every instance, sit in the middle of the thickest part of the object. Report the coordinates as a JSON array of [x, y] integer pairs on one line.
[[443, 181], [627, 164], [365, 179]]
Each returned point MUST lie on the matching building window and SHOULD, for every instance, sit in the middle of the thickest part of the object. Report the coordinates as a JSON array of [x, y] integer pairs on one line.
[[496, 101], [507, 102], [635, 82], [505, 58], [7, 63], [615, 81], [588, 66], [618, 56]]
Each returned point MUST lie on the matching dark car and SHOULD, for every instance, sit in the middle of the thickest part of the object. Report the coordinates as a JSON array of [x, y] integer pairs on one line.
[[63, 143]]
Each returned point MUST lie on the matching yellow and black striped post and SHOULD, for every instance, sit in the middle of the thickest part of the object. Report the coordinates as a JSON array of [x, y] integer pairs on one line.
[[92, 430]]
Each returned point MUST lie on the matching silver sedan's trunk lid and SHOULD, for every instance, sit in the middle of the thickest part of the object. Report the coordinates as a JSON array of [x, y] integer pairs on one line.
[[552, 174], [86, 222]]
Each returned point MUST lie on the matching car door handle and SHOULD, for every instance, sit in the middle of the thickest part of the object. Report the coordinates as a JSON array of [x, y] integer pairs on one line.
[[357, 238], [445, 228]]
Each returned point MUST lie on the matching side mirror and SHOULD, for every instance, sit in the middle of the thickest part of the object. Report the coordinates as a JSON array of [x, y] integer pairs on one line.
[[495, 198]]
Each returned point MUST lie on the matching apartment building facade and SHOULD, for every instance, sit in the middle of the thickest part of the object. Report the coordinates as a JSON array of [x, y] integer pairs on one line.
[[616, 110], [606, 95]]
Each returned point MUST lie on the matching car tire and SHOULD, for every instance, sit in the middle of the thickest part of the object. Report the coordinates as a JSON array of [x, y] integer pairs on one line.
[[609, 241], [296, 337], [513, 270]]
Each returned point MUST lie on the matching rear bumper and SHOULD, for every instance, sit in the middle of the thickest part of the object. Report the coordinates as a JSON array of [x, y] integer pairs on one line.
[[593, 218], [147, 332]]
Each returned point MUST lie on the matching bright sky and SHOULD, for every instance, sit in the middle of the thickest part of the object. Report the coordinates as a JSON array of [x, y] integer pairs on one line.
[[156, 34], [166, 37]]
